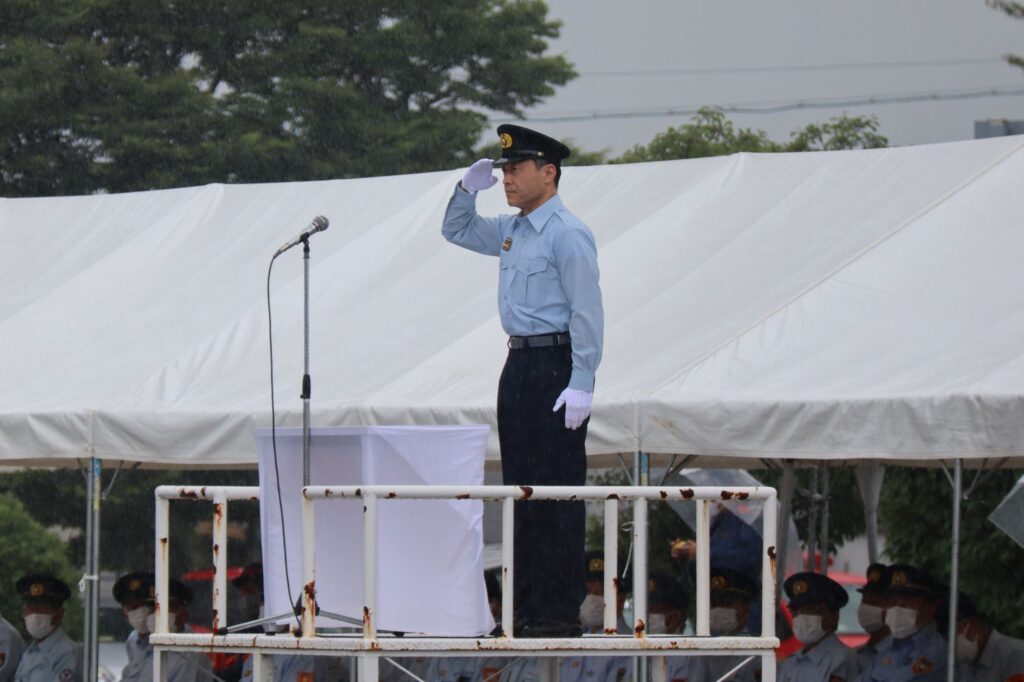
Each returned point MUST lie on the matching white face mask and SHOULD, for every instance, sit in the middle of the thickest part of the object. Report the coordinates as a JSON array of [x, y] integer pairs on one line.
[[139, 619], [39, 625], [966, 649], [902, 621], [723, 620], [807, 628], [871, 618], [656, 624], [592, 611]]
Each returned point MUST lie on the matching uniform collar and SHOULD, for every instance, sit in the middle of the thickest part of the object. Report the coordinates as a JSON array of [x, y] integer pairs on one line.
[[52, 641], [820, 650], [987, 656], [539, 217]]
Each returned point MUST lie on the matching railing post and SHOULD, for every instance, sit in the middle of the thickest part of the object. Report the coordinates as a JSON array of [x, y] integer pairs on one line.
[[220, 559], [640, 567], [308, 567], [769, 517], [611, 566], [507, 564], [161, 569], [369, 566], [262, 667], [703, 569]]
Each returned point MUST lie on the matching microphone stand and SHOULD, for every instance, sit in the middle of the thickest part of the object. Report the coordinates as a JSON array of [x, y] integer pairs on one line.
[[306, 383]]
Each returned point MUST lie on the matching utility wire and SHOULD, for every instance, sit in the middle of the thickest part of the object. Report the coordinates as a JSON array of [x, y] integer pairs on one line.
[[777, 106], [850, 66]]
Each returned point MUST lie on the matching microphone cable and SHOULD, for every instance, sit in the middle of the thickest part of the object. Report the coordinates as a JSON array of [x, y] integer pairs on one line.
[[273, 440]]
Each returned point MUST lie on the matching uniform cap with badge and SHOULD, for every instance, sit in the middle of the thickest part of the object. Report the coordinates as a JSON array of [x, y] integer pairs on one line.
[[877, 579], [519, 143], [732, 585], [909, 581], [43, 590], [140, 586], [809, 589]]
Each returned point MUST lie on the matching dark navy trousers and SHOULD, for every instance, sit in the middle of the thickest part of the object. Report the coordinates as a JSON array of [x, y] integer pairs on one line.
[[537, 449]]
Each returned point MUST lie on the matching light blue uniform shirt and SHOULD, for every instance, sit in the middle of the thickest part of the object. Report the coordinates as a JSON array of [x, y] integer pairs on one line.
[[181, 666], [920, 657], [548, 276], [866, 653], [11, 648], [55, 659], [1002, 659], [829, 658]]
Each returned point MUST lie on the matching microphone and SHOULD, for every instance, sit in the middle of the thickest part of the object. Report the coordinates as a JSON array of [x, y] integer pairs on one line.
[[319, 224]]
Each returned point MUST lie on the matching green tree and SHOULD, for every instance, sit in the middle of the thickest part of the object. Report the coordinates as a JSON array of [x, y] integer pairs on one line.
[[842, 132], [56, 498], [29, 548], [711, 133], [119, 95], [1015, 10], [917, 516]]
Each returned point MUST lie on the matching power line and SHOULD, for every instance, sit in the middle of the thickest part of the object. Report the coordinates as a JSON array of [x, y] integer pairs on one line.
[[849, 66], [774, 107]]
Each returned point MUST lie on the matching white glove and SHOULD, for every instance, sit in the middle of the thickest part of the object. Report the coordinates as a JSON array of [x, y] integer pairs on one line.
[[479, 176], [577, 406]]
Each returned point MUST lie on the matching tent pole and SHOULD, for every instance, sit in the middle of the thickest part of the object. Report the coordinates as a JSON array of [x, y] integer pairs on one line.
[[869, 480], [954, 574], [826, 491], [642, 476], [786, 486], [812, 524], [90, 581]]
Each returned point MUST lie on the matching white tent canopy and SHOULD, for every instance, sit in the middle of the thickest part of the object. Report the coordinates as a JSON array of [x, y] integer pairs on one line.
[[860, 304]]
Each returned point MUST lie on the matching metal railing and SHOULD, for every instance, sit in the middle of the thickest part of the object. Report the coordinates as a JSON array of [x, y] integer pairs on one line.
[[368, 642]]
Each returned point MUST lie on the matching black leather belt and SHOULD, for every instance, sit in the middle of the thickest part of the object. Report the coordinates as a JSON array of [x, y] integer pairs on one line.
[[541, 341]]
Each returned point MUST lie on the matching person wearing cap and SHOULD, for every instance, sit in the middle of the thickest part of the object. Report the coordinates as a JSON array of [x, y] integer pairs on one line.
[[592, 606], [815, 601], [549, 301], [11, 648], [51, 655], [249, 584], [731, 596], [917, 650], [982, 652], [136, 593], [871, 615]]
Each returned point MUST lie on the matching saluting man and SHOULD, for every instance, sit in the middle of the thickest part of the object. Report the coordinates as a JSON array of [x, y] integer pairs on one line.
[[51, 656], [815, 601], [549, 301]]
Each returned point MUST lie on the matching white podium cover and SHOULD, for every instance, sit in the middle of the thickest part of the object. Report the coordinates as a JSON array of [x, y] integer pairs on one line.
[[430, 566]]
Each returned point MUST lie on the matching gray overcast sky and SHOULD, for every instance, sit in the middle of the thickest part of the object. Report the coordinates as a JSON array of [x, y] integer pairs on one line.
[[640, 36]]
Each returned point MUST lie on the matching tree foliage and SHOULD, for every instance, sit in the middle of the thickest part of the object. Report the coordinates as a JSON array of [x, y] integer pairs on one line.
[[56, 498], [711, 133], [119, 95], [917, 514], [28, 547], [1015, 10]]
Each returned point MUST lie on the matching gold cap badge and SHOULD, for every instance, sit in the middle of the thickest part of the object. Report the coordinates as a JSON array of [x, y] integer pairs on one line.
[[36, 590], [506, 140], [800, 587]]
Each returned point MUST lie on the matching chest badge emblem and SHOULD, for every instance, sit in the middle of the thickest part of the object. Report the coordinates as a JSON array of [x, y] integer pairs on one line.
[[507, 244]]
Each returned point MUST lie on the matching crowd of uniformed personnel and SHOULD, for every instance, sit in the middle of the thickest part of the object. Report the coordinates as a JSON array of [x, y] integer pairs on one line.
[[902, 610]]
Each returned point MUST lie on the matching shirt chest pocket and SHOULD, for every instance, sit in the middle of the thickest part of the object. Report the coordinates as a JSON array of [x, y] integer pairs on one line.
[[533, 282]]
